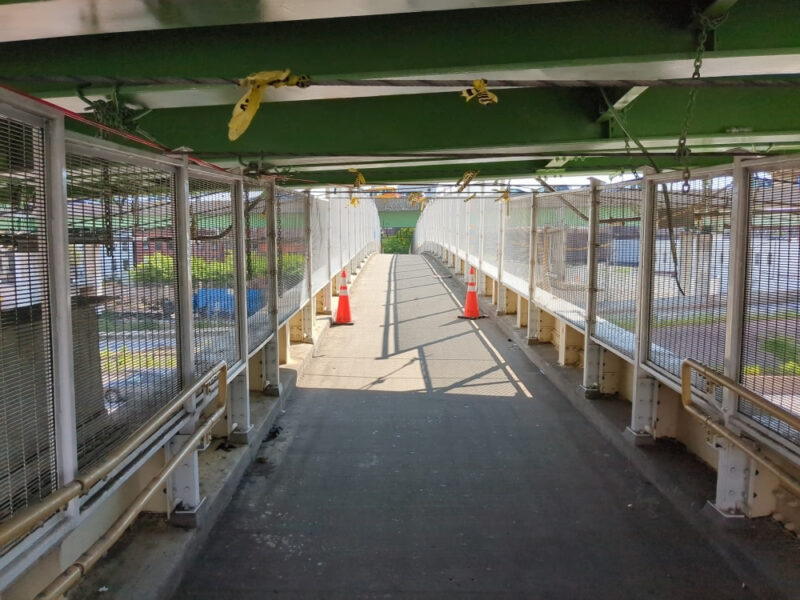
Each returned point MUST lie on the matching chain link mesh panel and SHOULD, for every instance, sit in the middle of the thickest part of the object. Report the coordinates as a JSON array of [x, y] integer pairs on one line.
[[690, 285], [257, 261], [463, 224], [292, 251], [517, 243], [771, 337], [213, 238], [335, 208], [562, 237], [27, 427], [320, 214], [618, 235], [123, 278], [474, 231]]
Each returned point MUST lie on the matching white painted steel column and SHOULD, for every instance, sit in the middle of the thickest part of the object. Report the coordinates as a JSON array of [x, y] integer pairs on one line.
[[239, 392], [309, 310], [481, 277], [60, 304], [533, 279], [183, 255], [592, 352], [272, 347], [645, 391], [327, 292], [501, 290], [733, 468]]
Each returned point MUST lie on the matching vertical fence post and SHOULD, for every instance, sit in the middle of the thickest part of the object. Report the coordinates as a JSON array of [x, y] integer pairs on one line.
[[309, 308], [60, 304], [592, 352], [733, 467], [534, 312], [327, 292], [272, 348], [183, 256], [184, 483], [499, 297], [481, 221], [239, 390], [645, 388]]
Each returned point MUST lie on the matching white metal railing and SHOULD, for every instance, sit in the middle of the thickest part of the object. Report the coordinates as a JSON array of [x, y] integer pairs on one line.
[[711, 275], [125, 277]]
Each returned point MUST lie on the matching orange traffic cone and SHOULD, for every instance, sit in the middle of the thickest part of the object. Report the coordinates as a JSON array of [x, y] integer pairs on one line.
[[343, 311], [471, 310]]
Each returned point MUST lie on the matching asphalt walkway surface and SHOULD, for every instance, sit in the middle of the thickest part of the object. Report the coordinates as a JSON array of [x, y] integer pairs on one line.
[[423, 456]]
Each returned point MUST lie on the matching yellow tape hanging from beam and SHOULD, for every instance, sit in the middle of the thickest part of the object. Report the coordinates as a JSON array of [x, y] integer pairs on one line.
[[247, 107], [481, 92]]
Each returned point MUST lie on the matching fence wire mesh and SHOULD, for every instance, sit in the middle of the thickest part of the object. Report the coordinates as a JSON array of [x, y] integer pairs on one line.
[[257, 261], [320, 215], [491, 236], [121, 220], [213, 262], [517, 243], [561, 255], [474, 230], [690, 273], [618, 233], [292, 251], [27, 427], [771, 338], [335, 209]]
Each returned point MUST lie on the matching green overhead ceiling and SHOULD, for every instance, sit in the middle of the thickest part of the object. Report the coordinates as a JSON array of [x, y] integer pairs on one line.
[[397, 134]]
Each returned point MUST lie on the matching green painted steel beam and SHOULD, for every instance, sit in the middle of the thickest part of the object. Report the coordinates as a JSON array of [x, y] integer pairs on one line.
[[387, 124]]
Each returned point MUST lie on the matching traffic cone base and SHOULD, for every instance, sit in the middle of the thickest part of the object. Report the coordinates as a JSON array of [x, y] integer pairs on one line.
[[343, 310], [471, 309]]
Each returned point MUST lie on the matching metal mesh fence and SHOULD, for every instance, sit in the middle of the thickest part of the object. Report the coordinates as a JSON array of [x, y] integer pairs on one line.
[[618, 234], [335, 209], [690, 273], [474, 230], [770, 356], [292, 251], [517, 243], [259, 252], [463, 224], [213, 236], [320, 214], [27, 428], [562, 237], [121, 220], [491, 236]]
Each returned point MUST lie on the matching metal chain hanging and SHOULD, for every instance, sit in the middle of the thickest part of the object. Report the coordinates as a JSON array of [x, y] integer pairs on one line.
[[707, 26]]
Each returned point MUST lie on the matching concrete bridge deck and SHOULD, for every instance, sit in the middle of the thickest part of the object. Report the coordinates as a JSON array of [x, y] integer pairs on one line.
[[423, 456]]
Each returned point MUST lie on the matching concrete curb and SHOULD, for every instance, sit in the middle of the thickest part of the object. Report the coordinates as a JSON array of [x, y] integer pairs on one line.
[[759, 550]]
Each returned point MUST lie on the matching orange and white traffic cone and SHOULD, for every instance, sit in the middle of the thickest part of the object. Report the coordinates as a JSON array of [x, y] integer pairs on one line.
[[343, 311], [471, 310]]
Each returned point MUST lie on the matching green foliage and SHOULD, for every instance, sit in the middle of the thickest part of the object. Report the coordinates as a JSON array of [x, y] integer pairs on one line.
[[257, 265], [399, 243], [790, 368], [784, 349], [293, 265], [213, 271], [156, 268], [752, 370]]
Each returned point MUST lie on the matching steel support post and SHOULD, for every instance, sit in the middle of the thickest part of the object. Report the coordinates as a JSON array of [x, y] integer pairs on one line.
[[534, 317], [309, 310], [468, 227], [481, 278], [326, 307], [733, 468], [183, 256], [592, 352], [185, 498], [501, 290], [645, 390], [240, 430], [271, 349], [60, 303]]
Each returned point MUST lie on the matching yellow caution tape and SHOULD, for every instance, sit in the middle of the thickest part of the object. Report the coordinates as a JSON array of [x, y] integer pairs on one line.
[[465, 180], [470, 198], [247, 107], [354, 202], [360, 180], [504, 197], [480, 91], [414, 198]]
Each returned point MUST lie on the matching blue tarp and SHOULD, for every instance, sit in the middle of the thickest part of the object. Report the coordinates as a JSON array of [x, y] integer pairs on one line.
[[215, 301]]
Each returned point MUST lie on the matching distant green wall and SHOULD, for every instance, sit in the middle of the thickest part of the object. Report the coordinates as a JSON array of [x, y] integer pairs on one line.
[[400, 218]]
